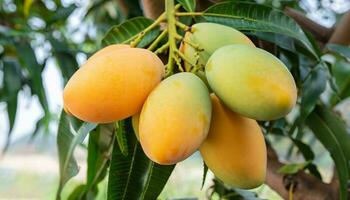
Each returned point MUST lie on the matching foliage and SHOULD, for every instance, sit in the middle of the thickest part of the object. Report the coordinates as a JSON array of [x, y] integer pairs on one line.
[[113, 151]]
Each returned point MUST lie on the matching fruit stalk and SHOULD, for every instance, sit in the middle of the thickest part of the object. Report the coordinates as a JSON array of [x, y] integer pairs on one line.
[[171, 26]]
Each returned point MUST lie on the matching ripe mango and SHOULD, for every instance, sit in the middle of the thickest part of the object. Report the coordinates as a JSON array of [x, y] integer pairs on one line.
[[175, 119], [113, 84], [234, 149], [209, 37], [251, 82]]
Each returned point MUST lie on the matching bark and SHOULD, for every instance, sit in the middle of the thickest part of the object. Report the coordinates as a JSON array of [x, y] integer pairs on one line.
[[320, 32], [153, 8], [307, 187], [341, 34]]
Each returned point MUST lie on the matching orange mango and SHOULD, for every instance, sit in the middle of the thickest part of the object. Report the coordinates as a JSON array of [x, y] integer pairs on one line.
[[113, 84], [234, 149], [175, 119]]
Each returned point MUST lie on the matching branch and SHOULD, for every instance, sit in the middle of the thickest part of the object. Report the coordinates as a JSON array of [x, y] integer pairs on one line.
[[307, 186], [153, 8], [320, 32], [341, 34]]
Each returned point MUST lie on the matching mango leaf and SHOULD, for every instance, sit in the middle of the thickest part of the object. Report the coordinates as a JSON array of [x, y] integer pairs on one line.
[[324, 131], [341, 74], [121, 137], [292, 168], [313, 87], [125, 32], [188, 5], [205, 172], [62, 13], [305, 150], [135, 176], [338, 127], [64, 57], [71, 132], [12, 85], [28, 60], [248, 16], [341, 49], [77, 192], [100, 147]]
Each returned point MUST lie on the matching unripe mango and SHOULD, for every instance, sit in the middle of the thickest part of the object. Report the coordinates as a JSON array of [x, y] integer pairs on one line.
[[113, 84], [235, 149], [175, 119], [251, 82], [209, 37]]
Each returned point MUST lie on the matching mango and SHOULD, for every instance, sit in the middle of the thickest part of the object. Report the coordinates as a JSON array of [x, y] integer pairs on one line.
[[209, 37], [175, 119], [251, 82], [113, 84], [235, 149]]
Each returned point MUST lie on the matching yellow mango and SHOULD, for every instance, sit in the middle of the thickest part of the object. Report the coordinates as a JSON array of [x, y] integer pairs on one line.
[[113, 84], [209, 37], [251, 82], [175, 119], [234, 149]]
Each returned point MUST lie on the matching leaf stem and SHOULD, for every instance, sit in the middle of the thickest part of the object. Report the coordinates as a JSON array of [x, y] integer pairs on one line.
[[162, 48], [139, 37], [157, 40], [182, 26], [178, 14]]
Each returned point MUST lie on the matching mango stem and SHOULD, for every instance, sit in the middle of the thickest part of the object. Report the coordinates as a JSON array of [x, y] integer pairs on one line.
[[157, 40], [178, 14], [139, 36], [170, 16]]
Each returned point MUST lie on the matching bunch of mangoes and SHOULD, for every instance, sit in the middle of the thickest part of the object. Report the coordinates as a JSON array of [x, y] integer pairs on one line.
[[175, 116]]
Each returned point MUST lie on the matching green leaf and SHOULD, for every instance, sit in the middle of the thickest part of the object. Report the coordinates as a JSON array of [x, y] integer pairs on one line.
[[313, 87], [188, 5], [205, 172], [342, 50], [156, 178], [62, 13], [28, 60], [100, 148], [341, 74], [70, 133], [254, 17], [329, 138], [12, 85], [338, 128], [135, 176], [64, 57], [77, 192], [292, 168], [308, 154], [121, 137], [125, 32]]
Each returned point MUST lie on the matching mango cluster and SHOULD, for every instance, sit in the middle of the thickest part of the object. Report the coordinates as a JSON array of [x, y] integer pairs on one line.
[[175, 116]]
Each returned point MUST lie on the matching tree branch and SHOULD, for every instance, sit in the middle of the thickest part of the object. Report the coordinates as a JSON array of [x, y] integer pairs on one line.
[[341, 34], [320, 32], [307, 187]]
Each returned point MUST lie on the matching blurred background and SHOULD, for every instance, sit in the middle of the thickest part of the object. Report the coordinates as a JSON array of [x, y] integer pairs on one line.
[[42, 42]]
